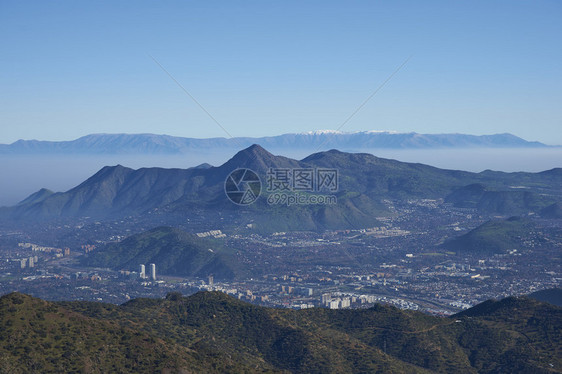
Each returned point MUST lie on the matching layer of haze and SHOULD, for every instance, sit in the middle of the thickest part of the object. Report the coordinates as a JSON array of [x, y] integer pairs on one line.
[[23, 175]]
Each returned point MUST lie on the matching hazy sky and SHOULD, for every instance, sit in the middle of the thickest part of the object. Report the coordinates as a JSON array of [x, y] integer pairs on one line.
[[70, 68]]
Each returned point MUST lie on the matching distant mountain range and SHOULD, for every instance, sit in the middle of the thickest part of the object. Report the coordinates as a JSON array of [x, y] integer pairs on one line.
[[211, 332], [365, 181], [313, 141]]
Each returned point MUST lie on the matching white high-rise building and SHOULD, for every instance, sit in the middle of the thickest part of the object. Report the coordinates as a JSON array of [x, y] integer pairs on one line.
[[142, 273], [153, 271]]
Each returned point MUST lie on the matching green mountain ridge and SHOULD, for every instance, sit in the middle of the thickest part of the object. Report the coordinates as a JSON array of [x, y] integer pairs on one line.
[[495, 236], [174, 252], [213, 332], [477, 196], [37, 336], [365, 181]]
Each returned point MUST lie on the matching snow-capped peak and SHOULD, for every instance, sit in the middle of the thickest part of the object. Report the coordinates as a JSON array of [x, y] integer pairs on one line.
[[321, 132]]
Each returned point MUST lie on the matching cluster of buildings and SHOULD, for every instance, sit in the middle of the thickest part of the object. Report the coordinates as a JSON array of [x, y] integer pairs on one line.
[[214, 233], [87, 248], [28, 262], [58, 252], [399, 263], [142, 272], [40, 248], [335, 302], [341, 301]]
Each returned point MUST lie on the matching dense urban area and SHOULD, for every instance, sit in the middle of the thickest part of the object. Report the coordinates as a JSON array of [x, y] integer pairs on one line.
[[401, 262]]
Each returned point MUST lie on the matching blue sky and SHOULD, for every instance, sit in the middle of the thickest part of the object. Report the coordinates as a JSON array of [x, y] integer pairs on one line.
[[71, 68]]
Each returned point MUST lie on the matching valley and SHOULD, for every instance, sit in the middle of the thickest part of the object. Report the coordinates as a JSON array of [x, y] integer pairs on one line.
[[411, 261]]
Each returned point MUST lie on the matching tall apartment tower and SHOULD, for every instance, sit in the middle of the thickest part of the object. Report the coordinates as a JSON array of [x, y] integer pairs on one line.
[[142, 273], [153, 271]]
